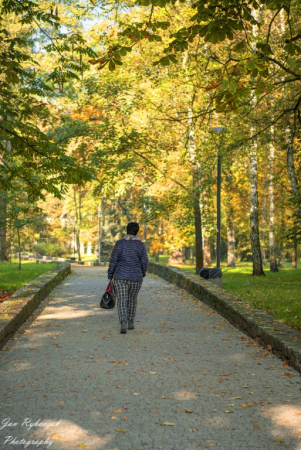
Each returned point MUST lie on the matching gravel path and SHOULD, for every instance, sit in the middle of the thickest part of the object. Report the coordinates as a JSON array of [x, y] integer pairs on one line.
[[184, 379]]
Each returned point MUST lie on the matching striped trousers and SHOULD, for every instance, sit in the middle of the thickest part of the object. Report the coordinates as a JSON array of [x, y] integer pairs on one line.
[[126, 294]]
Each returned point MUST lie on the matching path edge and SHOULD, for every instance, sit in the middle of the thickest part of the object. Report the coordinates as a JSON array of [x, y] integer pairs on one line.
[[15, 310], [282, 340]]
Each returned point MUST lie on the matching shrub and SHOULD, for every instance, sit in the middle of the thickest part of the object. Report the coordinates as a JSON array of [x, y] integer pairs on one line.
[[49, 249]]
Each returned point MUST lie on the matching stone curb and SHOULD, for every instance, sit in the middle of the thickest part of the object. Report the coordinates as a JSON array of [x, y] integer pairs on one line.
[[16, 309], [282, 340]]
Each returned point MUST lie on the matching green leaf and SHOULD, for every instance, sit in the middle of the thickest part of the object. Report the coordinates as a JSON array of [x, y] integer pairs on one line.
[[290, 49], [251, 65], [111, 65]]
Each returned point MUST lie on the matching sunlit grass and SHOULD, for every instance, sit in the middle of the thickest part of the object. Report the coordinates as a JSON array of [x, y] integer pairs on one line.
[[278, 294], [12, 278]]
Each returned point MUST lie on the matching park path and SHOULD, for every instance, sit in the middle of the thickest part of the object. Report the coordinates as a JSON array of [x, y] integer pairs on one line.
[[184, 379]]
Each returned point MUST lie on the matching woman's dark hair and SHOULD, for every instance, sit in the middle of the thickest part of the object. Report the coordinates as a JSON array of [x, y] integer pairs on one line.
[[132, 228]]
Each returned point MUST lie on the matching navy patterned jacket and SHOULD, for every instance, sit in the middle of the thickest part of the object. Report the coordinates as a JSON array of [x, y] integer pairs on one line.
[[129, 260]]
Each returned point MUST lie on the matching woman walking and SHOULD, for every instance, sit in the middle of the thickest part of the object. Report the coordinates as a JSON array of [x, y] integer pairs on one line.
[[128, 266]]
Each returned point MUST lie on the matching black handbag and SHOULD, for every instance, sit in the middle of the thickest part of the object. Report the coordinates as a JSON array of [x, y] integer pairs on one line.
[[108, 300]]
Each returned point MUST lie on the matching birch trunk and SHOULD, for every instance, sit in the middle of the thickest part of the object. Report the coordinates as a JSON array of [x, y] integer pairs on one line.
[[254, 223], [296, 196], [264, 217], [230, 239], [3, 218], [273, 261], [282, 234]]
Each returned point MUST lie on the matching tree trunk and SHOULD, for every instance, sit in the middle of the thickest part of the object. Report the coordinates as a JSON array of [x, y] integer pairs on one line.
[[19, 247], [3, 217], [295, 252], [3, 206], [177, 256], [207, 252], [282, 234], [191, 150], [254, 223], [197, 221], [264, 217], [77, 225], [273, 261], [231, 239], [187, 253], [294, 181]]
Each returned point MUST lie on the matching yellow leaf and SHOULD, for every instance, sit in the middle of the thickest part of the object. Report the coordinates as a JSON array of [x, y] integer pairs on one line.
[[246, 405], [120, 430], [117, 411], [168, 424], [228, 412]]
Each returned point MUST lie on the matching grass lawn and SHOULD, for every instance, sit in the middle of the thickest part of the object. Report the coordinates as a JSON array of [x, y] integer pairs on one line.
[[12, 278], [279, 294]]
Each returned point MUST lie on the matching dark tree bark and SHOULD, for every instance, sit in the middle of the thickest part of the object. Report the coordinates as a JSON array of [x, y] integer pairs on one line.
[[254, 222], [77, 206], [295, 253], [3, 228], [230, 239]]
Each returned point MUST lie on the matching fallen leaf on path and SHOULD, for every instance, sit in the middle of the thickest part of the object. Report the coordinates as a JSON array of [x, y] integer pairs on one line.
[[287, 374], [169, 424], [228, 412], [120, 430], [246, 405], [188, 411]]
